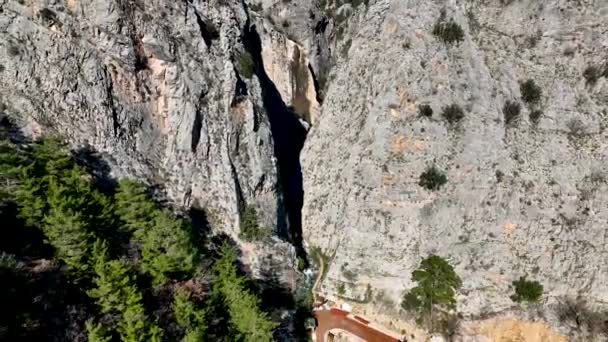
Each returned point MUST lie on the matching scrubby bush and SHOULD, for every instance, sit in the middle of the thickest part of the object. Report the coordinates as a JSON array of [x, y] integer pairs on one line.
[[13, 50], [499, 176], [592, 74], [256, 7], [530, 92], [245, 65], [448, 31], [340, 290], [453, 113], [432, 178], [47, 15], [214, 33], [535, 116], [511, 111], [425, 110], [576, 129], [526, 291], [250, 228]]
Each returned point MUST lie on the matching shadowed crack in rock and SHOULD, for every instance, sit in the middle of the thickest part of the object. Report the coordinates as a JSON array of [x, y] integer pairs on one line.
[[289, 136]]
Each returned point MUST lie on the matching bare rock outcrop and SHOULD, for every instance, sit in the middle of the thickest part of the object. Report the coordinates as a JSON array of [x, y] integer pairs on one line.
[[526, 193]]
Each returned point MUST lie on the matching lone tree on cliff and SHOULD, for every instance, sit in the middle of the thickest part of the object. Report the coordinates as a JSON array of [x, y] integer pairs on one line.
[[437, 285]]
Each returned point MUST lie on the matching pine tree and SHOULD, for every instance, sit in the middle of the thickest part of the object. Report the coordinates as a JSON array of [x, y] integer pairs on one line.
[[66, 227], [437, 283], [167, 249], [134, 206], [116, 293], [51, 157], [66, 232], [96, 207], [11, 160], [189, 317], [112, 279], [243, 306], [134, 326], [96, 332], [30, 197]]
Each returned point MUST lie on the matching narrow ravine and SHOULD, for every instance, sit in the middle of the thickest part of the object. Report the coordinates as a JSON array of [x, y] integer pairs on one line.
[[289, 135]]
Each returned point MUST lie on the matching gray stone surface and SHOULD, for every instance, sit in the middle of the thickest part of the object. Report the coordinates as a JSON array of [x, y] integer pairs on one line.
[[154, 87], [150, 86], [547, 217]]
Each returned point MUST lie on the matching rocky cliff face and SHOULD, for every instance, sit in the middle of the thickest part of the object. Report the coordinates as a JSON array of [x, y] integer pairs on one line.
[[204, 98], [213, 100], [525, 194]]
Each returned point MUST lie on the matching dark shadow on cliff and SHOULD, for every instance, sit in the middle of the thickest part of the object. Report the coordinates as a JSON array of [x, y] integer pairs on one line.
[[94, 164], [277, 298], [8, 130], [289, 136], [200, 225]]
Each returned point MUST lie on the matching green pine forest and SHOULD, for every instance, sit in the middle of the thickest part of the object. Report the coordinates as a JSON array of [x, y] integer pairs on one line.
[[80, 261]]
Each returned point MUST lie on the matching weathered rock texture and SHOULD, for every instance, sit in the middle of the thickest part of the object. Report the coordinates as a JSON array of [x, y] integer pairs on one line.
[[525, 198], [212, 99], [173, 92]]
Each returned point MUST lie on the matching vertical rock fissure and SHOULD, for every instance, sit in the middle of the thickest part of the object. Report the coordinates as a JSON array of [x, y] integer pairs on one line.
[[110, 99], [315, 84], [197, 125], [288, 135], [202, 26]]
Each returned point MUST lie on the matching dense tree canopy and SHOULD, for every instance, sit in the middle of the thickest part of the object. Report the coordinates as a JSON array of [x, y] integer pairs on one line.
[[243, 306], [113, 257]]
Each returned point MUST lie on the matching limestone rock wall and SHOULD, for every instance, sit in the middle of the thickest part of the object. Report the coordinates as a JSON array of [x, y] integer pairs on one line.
[[160, 90], [525, 198]]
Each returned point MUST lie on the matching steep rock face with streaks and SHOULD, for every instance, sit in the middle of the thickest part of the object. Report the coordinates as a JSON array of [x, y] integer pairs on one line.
[[212, 100], [526, 191], [177, 93]]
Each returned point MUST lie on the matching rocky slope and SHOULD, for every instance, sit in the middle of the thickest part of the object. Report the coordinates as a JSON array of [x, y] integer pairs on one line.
[[212, 100], [524, 197]]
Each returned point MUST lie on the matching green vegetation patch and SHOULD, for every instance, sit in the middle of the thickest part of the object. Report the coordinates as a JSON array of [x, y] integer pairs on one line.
[[116, 249], [511, 111], [432, 178], [448, 31], [250, 321], [425, 110], [453, 114], [245, 64], [437, 283], [530, 92], [526, 291], [535, 116], [250, 227]]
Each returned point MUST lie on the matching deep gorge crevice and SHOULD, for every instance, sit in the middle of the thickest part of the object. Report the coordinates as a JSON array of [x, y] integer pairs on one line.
[[288, 135]]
